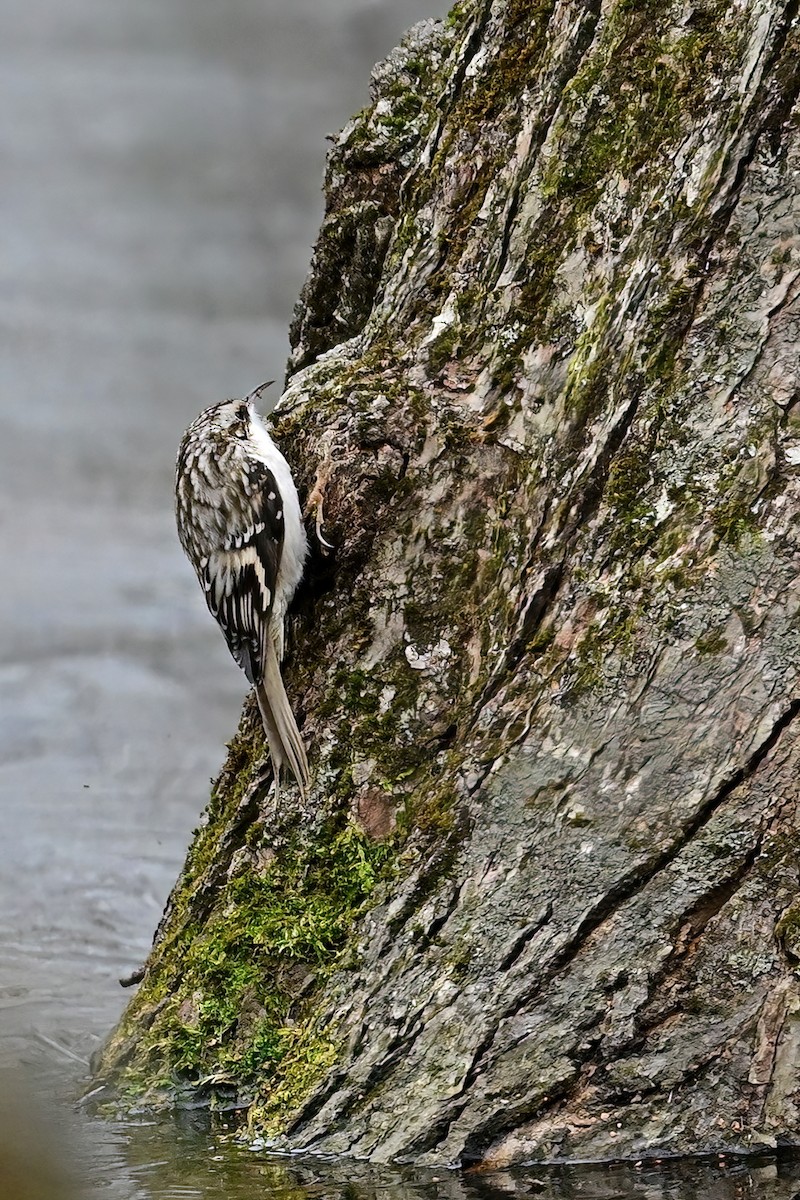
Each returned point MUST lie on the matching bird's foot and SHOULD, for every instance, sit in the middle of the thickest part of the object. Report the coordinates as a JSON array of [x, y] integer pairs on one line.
[[315, 505]]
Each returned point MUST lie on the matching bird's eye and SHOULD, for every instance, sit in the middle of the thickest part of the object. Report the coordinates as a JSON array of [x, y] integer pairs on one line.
[[243, 412]]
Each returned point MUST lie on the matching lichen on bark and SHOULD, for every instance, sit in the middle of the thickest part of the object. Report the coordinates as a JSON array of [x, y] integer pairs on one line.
[[546, 879]]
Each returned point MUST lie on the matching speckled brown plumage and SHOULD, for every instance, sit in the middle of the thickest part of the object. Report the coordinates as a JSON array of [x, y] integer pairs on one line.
[[240, 525]]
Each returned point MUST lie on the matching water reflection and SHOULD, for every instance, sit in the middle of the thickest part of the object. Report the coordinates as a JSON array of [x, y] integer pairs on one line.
[[44, 1146], [34, 1161], [183, 1161]]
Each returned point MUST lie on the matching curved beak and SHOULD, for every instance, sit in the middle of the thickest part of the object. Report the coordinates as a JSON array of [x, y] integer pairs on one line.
[[256, 395]]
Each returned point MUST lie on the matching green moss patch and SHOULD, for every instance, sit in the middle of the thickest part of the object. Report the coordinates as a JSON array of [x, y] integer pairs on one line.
[[231, 1002]]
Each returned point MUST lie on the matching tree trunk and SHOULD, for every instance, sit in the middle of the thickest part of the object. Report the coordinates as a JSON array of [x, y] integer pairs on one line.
[[543, 899]]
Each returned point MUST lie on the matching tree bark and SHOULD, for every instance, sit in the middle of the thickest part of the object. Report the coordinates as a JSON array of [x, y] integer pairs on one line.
[[543, 899]]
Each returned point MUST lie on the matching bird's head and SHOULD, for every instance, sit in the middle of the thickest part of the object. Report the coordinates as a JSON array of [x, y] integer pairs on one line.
[[234, 417], [231, 417]]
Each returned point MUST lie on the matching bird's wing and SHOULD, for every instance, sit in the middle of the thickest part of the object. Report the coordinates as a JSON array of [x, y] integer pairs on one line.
[[239, 578]]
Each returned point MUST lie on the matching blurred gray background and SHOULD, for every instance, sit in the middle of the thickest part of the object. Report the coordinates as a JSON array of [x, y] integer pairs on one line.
[[161, 164]]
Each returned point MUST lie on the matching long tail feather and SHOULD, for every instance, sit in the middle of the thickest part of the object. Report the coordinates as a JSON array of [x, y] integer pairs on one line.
[[283, 737]]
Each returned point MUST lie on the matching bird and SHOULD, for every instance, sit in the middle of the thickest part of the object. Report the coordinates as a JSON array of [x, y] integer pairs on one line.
[[241, 527]]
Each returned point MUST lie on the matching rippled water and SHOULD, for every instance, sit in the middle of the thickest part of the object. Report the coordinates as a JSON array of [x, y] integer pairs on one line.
[[194, 1166], [186, 1160], [161, 165]]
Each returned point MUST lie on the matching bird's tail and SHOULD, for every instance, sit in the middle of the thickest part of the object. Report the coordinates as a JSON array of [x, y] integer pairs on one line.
[[283, 737]]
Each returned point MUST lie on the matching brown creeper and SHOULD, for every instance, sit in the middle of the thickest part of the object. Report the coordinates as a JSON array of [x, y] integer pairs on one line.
[[239, 522]]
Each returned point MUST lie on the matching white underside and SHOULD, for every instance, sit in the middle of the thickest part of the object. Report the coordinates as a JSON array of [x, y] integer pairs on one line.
[[295, 545]]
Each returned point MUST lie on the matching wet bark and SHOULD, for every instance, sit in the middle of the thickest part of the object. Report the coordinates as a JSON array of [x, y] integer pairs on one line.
[[543, 900]]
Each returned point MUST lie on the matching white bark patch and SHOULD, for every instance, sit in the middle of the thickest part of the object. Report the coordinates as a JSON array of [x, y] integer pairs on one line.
[[438, 325], [431, 659]]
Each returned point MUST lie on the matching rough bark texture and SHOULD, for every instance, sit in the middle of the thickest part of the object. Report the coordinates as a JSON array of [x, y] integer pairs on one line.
[[543, 900]]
